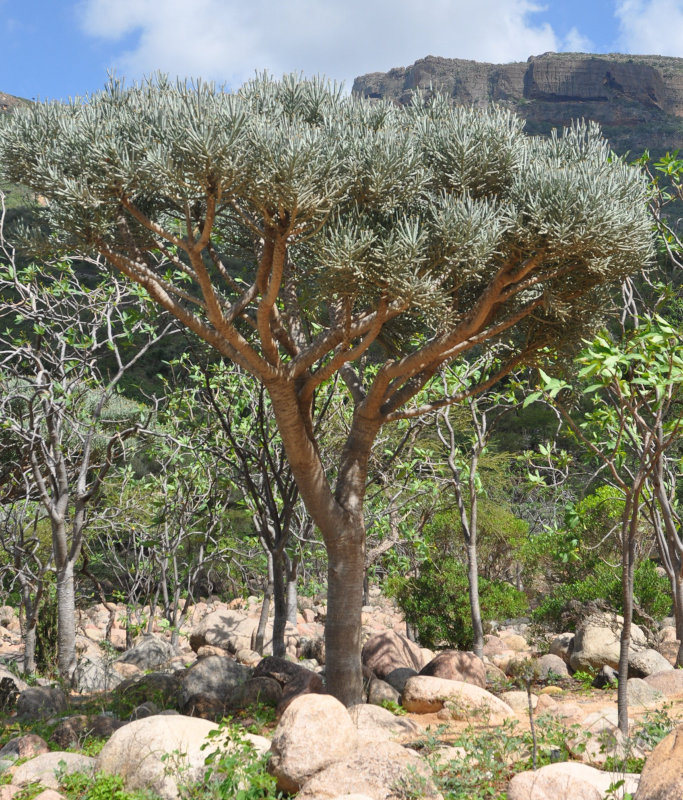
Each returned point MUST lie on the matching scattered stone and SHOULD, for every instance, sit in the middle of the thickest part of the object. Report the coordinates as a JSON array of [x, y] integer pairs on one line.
[[207, 687], [518, 700], [662, 776], [397, 677], [606, 678], [551, 665], [640, 693], [21, 747], [386, 651], [457, 666], [383, 772], [72, 731], [380, 692], [424, 694], [377, 724], [670, 682], [314, 732], [136, 751], [43, 769], [566, 780], [38, 702]]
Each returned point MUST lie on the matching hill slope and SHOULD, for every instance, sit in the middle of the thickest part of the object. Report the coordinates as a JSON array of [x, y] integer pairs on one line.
[[638, 100]]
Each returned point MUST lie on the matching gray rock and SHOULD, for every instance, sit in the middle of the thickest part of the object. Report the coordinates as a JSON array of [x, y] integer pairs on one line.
[[397, 677], [44, 768], [642, 663], [552, 665], [207, 687], [38, 702], [159, 688], [149, 653], [96, 674], [380, 692], [640, 693], [605, 678]]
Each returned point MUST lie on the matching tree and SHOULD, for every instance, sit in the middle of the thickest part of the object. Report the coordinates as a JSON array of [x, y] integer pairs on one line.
[[302, 233], [63, 424], [635, 386]]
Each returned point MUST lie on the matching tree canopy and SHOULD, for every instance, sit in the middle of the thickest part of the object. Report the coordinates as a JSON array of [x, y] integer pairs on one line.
[[303, 233]]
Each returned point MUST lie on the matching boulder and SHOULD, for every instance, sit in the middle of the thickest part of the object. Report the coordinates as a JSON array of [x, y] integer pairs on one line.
[[518, 700], [228, 629], [384, 771], [597, 642], [662, 776], [375, 724], [600, 739], [562, 646], [669, 682], [380, 692], [397, 677], [386, 651], [206, 688], [294, 679], [260, 690], [551, 665], [493, 645], [513, 641], [22, 747], [314, 731], [159, 688], [642, 663], [43, 769], [71, 732], [424, 695], [96, 673], [640, 693], [566, 780], [38, 702], [457, 666], [153, 753], [149, 652]]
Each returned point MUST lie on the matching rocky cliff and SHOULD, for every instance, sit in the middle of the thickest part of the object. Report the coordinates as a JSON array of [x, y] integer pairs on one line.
[[638, 100]]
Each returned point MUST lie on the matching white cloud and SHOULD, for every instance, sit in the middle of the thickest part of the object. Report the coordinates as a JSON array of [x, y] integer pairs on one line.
[[228, 40], [576, 42], [651, 26]]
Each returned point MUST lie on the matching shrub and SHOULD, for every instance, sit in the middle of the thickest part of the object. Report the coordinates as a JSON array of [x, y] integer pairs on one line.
[[652, 594], [436, 602]]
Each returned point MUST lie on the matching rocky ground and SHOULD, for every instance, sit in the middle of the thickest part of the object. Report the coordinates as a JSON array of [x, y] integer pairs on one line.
[[436, 725]]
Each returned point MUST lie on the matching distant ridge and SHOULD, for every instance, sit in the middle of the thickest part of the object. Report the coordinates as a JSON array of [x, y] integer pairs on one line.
[[638, 100]]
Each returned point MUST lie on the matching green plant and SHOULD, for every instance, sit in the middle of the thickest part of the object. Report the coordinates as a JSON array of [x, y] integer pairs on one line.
[[394, 707], [436, 602], [654, 726], [82, 786], [585, 677], [234, 770]]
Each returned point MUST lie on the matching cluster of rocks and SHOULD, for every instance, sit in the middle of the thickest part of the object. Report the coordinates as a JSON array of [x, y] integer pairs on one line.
[[167, 700]]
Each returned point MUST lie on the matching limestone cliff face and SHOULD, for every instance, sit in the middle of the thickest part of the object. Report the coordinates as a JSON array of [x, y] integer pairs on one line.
[[637, 99]]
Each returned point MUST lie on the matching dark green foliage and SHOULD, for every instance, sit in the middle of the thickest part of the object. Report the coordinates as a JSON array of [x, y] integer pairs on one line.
[[652, 594], [80, 786], [436, 602]]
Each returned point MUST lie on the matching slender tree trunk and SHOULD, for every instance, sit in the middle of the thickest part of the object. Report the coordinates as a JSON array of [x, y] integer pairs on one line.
[[678, 615], [475, 607], [279, 605], [30, 649], [260, 635], [629, 527], [292, 567], [66, 621]]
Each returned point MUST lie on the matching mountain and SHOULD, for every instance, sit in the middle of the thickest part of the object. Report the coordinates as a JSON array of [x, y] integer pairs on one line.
[[638, 100]]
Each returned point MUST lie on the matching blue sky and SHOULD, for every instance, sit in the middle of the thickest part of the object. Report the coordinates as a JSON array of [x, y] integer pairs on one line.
[[62, 48]]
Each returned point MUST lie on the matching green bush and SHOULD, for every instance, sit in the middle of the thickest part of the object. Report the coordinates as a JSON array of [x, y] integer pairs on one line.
[[652, 593], [436, 602]]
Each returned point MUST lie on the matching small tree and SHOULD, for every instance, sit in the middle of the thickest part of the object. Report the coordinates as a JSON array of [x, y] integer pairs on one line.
[[63, 424], [296, 230], [635, 387]]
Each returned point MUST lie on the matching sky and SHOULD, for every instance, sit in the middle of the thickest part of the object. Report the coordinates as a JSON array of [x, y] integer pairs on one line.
[[56, 49]]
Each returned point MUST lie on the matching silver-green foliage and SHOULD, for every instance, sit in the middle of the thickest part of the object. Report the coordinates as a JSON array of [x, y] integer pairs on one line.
[[423, 204]]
